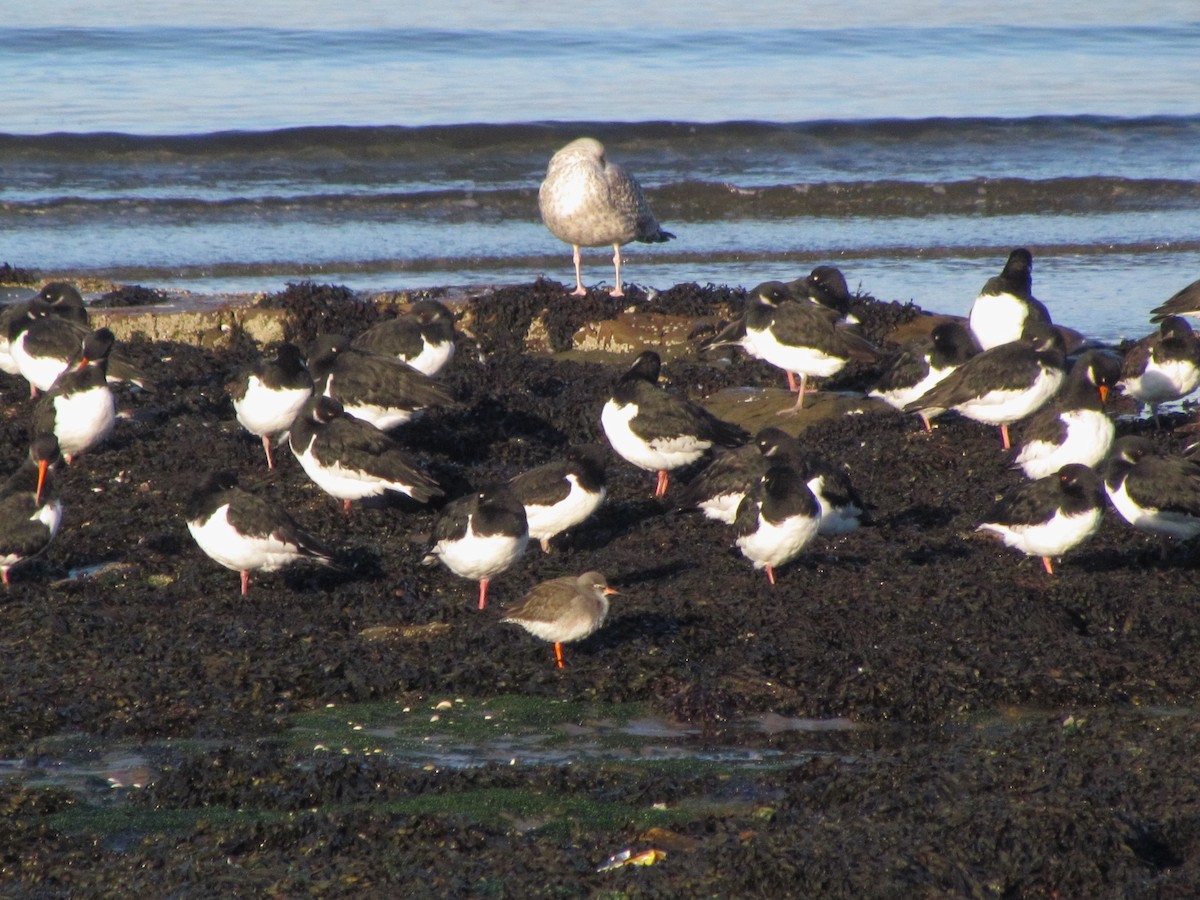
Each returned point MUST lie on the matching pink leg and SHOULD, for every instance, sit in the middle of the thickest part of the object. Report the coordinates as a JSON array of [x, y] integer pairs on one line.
[[345, 507], [1048, 565], [267, 447], [558, 653], [4, 575], [245, 581], [580, 290], [928, 424], [1004, 436], [483, 583], [792, 410], [663, 477], [771, 574], [792, 383], [616, 291], [545, 545]]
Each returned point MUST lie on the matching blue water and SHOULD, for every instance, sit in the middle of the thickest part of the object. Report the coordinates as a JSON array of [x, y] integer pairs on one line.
[[911, 146]]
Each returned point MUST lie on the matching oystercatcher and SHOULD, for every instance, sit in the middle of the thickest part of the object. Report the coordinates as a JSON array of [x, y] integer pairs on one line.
[[79, 409], [246, 533], [480, 535], [1154, 491], [658, 431], [351, 459], [1006, 304], [1163, 366], [423, 337], [30, 511], [379, 389], [801, 338], [1051, 515], [1073, 427], [563, 610], [58, 298], [268, 396], [561, 494], [776, 519], [923, 364], [587, 201], [1003, 384], [826, 286]]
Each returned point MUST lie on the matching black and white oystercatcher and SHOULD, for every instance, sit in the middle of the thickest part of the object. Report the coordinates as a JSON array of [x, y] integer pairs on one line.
[[1006, 304], [30, 511], [563, 610], [79, 409], [351, 459], [923, 364], [1073, 427], [480, 535], [268, 396], [561, 494], [777, 519], [1163, 366], [58, 298], [379, 389], [1051, 515], [826, 286], [1004, 384], [246, 533], [423, 337], [1154, 491], [586, 201], [800, 337], [659, 431]]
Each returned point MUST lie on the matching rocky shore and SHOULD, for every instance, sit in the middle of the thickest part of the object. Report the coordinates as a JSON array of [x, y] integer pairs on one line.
[[995, 731]]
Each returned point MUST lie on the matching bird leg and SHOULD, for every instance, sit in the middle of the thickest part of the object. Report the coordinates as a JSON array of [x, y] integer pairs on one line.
[[928, 423], [1004, 436], [245, 581], [616, 291], [267, 447], [792, 383], [483, 583], [345, 507], [580, 290], [4, 576], [558, 653], [1048, 565], [663, 477], [792, 410], [770, 573], [545, 545]]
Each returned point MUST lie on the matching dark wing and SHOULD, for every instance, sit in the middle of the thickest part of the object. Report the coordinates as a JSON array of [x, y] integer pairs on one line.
[[543, 486], [396, 337], [259, 518], [1004, 368]]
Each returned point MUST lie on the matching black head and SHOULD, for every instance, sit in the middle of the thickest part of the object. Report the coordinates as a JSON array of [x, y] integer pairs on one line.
[[1132, 448], [429, 311], [591, 455], [288, 356], [1099, 368], [1042, 336], [1175, 327], [223, 480], [772, 441], [645, 368], [326, 347], [98, 345], [326, 409], [60, 293], [1019, 266], [1080, 481], [44, 448], [780, 481], [954, 341], [827, 286], [772, 293]]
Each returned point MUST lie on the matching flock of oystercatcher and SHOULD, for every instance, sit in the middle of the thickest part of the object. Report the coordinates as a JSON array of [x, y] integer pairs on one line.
[[338, 406]]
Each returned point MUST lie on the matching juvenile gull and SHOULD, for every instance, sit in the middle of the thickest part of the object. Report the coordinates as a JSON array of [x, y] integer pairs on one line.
[[588, 202]]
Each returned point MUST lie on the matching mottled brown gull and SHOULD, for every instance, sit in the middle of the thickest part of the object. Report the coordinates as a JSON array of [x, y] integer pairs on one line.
[[588, 202]]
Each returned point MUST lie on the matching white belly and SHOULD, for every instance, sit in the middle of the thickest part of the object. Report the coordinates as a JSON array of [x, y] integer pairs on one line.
[[1089, 436], [547, 521], [225, 545], [1052, 538], [1169, 524], [1163, 382], [265, 412], [1002, 407], [997, 319], [774, 545], [654, 456], [84, 419], [477, 557], [800, 360]]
